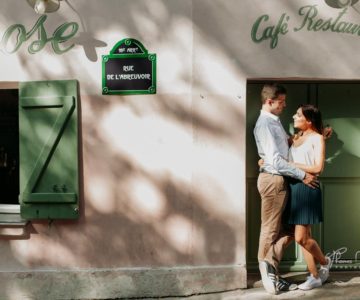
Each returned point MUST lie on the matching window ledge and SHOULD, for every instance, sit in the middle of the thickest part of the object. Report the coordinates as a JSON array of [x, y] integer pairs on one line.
[[9, 209], [10, 216]]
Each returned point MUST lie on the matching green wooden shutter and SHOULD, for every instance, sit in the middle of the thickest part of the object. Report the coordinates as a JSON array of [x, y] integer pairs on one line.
[[49, 181]]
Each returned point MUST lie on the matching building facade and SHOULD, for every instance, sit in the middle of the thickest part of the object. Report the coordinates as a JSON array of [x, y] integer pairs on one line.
[[154, 193]]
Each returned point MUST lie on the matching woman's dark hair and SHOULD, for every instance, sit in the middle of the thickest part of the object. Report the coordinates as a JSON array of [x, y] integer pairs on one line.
[[313, 115]]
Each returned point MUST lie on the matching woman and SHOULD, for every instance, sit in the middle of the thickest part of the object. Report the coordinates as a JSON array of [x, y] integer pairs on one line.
[[304, 207]]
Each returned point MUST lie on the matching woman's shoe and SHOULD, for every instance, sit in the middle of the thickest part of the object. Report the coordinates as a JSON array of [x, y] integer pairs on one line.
[[310, 283], [324, 269], [328, 263]]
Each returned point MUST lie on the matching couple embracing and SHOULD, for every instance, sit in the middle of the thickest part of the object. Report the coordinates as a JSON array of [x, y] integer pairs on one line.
[[289, 189]]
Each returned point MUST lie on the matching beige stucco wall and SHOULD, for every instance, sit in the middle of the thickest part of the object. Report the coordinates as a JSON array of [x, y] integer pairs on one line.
[[163, 176]]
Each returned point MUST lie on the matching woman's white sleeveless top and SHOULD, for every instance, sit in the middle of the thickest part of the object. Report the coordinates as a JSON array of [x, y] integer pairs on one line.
[[304, 153]]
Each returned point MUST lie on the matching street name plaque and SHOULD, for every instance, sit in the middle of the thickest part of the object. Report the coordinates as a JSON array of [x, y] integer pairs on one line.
[[129, 69]]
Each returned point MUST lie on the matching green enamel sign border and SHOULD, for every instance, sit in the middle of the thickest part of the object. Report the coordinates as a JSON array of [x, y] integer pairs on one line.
[[128, 42], [145, 54]]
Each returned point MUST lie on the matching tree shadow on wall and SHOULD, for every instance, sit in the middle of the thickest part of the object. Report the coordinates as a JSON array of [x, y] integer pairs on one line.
[[115, 230], [111, 233]]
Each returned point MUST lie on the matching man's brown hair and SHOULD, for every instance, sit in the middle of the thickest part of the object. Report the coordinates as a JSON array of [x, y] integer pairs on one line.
[[272, 91]]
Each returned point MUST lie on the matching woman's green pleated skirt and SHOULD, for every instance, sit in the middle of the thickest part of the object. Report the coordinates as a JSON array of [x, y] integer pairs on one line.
[[304, 205]]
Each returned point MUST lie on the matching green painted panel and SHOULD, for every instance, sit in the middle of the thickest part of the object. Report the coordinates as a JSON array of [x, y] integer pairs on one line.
[[253, 221], [253, 106], [341, 213], [340, 106], [49, 183]]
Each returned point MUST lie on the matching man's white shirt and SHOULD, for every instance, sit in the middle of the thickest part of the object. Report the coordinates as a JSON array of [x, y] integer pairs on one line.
[[272, 144]]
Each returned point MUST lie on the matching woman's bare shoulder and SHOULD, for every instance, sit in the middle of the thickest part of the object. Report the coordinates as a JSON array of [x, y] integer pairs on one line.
[[317, 138]]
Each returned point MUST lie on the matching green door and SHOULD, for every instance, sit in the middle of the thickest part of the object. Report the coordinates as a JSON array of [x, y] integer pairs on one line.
[[48, 142], [340, 106], [340, 181]]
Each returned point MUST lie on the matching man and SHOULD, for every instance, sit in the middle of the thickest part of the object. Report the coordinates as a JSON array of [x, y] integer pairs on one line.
[[272, 144]]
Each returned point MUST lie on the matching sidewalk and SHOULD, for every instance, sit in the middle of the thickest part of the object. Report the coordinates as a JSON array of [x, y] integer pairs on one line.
[[341, 285]]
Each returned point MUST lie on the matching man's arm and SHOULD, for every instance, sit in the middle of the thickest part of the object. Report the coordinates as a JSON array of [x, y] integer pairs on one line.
[[272, 156], [310, 179], [272, 153]]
